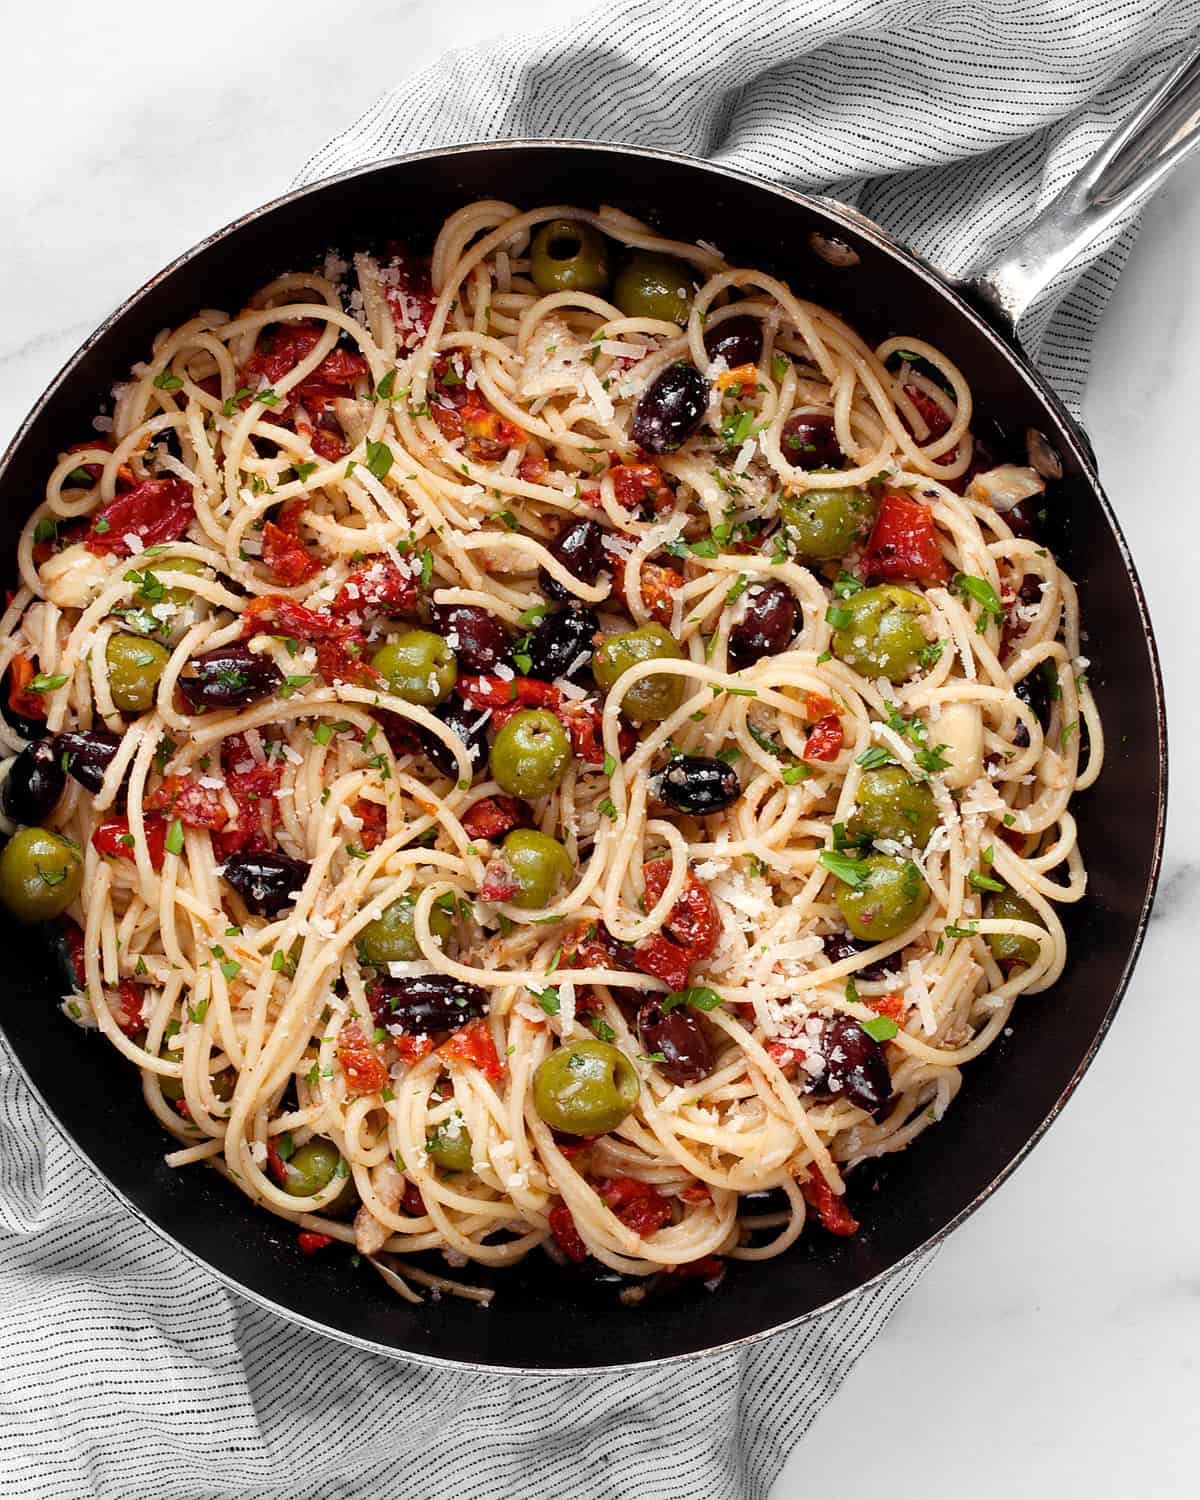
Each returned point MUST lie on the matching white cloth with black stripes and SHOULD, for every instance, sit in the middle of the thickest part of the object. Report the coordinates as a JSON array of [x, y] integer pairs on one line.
[[123, 1370]]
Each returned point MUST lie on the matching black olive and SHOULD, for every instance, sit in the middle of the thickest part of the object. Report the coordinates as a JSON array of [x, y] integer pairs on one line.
[[580, 549], [478, 638], [840, 945], [810, 442], [28, 729], [1023, 521], [854, 1066], [229, 677], [770, 618], [89, 753], [679, 1035], [34, 783], [561, 646], [425, 1003], [738, 341], [699, 784], [469, 723], [671, 409], [267, 883]]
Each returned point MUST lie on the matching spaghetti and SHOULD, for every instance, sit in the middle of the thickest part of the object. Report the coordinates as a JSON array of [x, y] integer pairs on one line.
[[255, 785]]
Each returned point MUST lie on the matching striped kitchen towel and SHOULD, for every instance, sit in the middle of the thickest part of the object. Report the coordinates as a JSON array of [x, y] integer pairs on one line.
[[124, 1370]]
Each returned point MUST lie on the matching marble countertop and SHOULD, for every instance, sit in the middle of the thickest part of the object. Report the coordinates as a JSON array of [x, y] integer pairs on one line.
[[1053, 1344]]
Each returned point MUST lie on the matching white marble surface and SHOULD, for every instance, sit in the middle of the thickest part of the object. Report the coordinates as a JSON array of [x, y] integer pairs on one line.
[[1053, 1345]]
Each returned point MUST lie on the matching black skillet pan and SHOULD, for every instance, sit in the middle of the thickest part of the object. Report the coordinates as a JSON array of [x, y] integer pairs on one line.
[[544, 1319]]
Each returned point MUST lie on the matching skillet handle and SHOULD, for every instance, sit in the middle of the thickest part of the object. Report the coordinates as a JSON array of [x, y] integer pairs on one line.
[[1155, 138]]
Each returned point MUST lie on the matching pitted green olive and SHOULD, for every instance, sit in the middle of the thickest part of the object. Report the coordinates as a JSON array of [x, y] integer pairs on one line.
[[312, 1167], [390, 938], [889, 804], [878, 631], [890, 895], [650, 285], [134, 667], [530, 754], [585, 1088], [153, 589], [450, 1144], [824, 524], [651, 699], [418, 666], [1007, 947], [539, 864], [41, 873], [568, 256]]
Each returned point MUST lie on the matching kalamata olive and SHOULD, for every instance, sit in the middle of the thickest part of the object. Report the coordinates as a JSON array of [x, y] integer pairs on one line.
[[469, 723], [671, 409], [229, 677], [561, 646], [28, 729], [1036, 689], [699, 784], [770, 617], [1023, 521], [477, 637], [266, 882], [738, 341], [810, 441], [679, 1035], [34, 783], [854, 1066], [425, 1003], [89, 753], [580, 549], [840, 945]]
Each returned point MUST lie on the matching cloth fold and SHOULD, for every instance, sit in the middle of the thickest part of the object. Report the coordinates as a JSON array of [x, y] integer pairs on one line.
[[123, 1369]]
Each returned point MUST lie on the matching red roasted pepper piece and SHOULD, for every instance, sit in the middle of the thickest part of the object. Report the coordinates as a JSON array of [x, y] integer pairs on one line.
[[114, 838], [155, 511]]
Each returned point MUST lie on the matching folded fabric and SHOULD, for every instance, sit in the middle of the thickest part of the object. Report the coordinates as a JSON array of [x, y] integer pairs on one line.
[[127, 1370]]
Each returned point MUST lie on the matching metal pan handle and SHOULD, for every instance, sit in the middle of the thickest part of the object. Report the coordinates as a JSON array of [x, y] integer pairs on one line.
[[1155, 138]]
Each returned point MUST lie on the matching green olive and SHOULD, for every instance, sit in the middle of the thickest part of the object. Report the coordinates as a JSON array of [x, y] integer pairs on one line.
[[585, 1088], [530, 754], [390, 937], [882, 636], [650, 699], [539, 864], [450, 1144], [1007, 947], [649, 285], [567, 256], [40, 874], [312, 1167], [418, 665], [823, 524], [172, 1088], [153, 591], [890, 805], [134, 667], [892, 895]]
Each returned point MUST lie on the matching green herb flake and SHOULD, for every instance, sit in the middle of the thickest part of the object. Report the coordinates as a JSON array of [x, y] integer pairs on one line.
[[984, 595], [851, 872], [838, 617], [698, 996], [875, 757], [880, 1028], [43, 684], [165, 381], [779, 367], [608, 809], [174, 844], [379, 459], [548, 1000]]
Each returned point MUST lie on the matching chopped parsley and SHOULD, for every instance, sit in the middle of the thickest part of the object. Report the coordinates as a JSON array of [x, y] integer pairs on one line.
[[379, 459], [174, 843], [851, 872], [165, 381], [984, 595], [880, 1028], [875, 757]]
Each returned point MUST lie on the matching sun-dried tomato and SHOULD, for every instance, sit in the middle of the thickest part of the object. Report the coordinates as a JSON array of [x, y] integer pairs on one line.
[[693, 921], [887, 1005], [499, 881], [362, 1066], [639, 1206], [113, 837], [498, 692], [584, 722], [936, 419], [785, 1052], [638, 485], [473, 1044], [533, 468], [73, 937], [342, 660], [659, 957], [824, 739], [374, 823], [710, 1269], [155, 511], [281, 348], [287, 557], [127, 1012], [448, 384], [830, 1206], [408, 288], [252, 784], [904, 543], [21, 672], [818, 706], [562, 1227], [488, 435], [413, 1048], [275, 1163], [493, 817], [276, 614], [310, 1242], [194, 805], [379, 584], [659, 586]]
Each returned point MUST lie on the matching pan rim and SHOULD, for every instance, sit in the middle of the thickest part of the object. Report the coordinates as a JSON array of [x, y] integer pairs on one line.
[[857, 226]]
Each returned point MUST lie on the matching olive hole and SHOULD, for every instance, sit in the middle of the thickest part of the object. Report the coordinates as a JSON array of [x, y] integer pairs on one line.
[[564, 247]]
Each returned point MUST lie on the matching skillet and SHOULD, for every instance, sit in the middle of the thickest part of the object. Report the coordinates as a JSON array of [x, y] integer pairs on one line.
[[543, 1319]]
